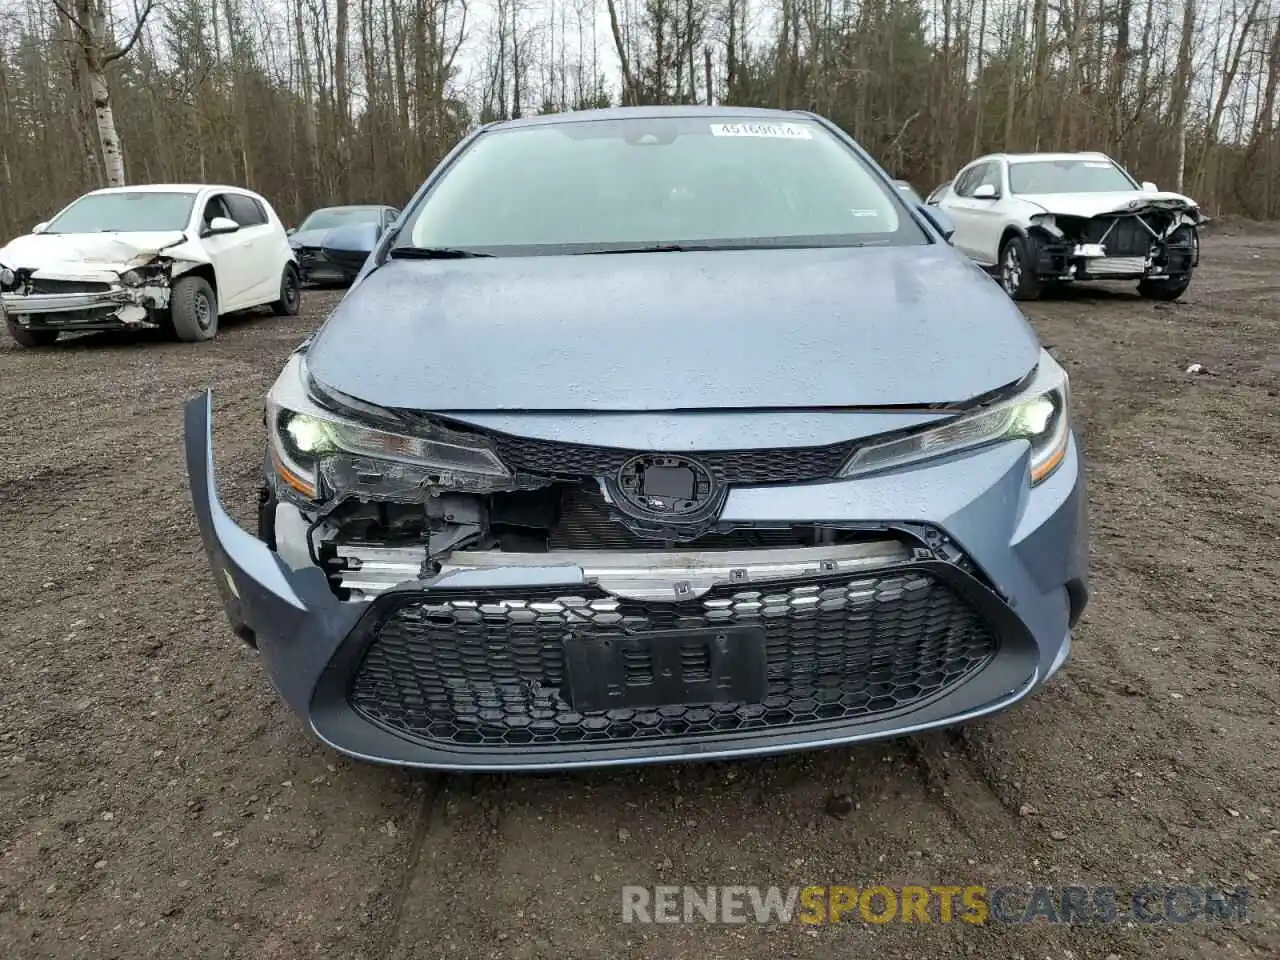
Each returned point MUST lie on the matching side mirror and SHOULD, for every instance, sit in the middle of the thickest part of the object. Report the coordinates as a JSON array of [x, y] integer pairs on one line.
[[940, 219], [39, 227], [1149, 187], [221, 225], [351, 243], [986, 192], [291, 231]]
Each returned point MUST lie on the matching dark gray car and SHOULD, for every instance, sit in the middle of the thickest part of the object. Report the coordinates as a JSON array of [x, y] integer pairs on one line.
[[318, 265], [656, 434]]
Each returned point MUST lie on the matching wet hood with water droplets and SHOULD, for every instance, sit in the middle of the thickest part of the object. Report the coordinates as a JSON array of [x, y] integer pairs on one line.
[[831, 327]]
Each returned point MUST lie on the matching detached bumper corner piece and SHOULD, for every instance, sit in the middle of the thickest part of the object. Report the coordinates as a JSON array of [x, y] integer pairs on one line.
[[291, 616]]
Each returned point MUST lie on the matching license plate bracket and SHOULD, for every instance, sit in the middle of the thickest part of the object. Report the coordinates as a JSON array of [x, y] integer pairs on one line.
[[659, 668]]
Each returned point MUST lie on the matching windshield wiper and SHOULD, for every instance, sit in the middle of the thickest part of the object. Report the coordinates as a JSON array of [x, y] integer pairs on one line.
[[744, 245], [434, 253], [664, 248]]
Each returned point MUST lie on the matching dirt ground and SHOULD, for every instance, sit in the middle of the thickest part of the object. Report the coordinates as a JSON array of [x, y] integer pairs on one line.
[[157, 800]]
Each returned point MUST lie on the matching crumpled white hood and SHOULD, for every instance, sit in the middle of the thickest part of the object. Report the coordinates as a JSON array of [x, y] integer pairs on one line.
[[1120, 201], [90, 254]]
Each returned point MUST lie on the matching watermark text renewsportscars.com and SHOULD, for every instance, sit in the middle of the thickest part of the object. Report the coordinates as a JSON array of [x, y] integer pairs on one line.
[[972, 904]]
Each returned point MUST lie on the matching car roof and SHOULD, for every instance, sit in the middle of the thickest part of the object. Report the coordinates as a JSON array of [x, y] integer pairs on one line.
[[355, 206], [628, 113], [1016, 157], [172, 188]]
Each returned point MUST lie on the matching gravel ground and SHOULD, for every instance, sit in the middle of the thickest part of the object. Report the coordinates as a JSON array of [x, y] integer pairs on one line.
[[156, 800]]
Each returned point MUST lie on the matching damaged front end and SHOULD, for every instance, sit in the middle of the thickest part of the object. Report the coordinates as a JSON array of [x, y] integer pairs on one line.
[[1147, 239], [91, 295], [375, 509], [469, 599]]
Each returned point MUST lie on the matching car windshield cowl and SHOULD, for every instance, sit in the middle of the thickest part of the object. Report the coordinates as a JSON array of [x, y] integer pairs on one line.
[[409, 252], [775, 243], [435, 253]]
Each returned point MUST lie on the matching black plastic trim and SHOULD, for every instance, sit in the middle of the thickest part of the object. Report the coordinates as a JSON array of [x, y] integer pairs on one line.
[[334, 720]]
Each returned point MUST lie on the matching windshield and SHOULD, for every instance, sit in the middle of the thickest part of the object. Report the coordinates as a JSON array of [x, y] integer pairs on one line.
[[907, 191], [131, 212], [1068, 176], [601, 185], [339, 217]]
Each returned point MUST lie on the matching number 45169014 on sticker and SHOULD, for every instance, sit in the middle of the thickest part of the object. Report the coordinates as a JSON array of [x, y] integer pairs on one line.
[[779, 131]]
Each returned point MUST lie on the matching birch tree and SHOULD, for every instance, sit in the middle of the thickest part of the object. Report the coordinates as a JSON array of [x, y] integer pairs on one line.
[[96, 49]]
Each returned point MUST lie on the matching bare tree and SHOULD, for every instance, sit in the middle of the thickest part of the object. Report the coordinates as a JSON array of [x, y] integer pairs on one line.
[[97, 50], [328, 101]]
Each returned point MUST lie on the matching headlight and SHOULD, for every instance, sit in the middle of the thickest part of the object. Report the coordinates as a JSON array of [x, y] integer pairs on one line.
[[7, 278], [1049, 224], [316, 452], [141, 276], [1039, 415]]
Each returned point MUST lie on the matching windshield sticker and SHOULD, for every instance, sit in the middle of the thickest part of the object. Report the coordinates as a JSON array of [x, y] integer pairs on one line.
[[776, 131], [1098, 164], [857, 212]]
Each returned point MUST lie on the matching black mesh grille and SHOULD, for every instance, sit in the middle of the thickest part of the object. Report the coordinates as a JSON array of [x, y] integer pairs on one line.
[[490, 671], [41, 285], [780, 465]]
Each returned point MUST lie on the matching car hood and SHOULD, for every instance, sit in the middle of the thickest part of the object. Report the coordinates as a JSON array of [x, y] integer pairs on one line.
[[814, 328], [309, 238], [92, 252], [1121, 201]]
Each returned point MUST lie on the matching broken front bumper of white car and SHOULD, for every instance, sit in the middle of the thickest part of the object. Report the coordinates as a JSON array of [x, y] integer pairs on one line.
[[1150, 244], [90, 302]]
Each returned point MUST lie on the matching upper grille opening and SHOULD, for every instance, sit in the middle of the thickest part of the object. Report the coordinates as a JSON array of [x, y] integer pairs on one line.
[[780, 465], [44, 285]]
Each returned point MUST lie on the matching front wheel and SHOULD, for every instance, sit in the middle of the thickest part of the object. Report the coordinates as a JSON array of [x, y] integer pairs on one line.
[[1166, 289], [1018, 269], [30, 338], [193, 309], [290, 293]]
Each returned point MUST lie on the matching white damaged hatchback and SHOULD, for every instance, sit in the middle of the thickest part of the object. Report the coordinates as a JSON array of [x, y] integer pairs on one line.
[[173, 256]]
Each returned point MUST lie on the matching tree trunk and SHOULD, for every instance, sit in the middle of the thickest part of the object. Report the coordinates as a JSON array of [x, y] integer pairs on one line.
[[1119, 67], [100, 95], [628, 82], [343, 96], [706, 58], [1228, 80]]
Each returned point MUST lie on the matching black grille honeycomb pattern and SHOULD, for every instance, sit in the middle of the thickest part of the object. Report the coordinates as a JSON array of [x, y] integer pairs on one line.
[[44, 285], [489, 673], [776, 465]]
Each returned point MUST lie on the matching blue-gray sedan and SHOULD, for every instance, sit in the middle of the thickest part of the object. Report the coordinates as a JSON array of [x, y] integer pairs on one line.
[[655, 434]]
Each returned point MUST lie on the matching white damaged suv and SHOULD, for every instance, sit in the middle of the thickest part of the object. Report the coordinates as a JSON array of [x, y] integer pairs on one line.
[[1041, 219], [175, 256]]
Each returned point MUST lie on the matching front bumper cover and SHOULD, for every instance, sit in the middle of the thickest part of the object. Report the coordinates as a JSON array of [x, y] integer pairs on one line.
[[314, 266], [113, 308], [1030, 548]]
